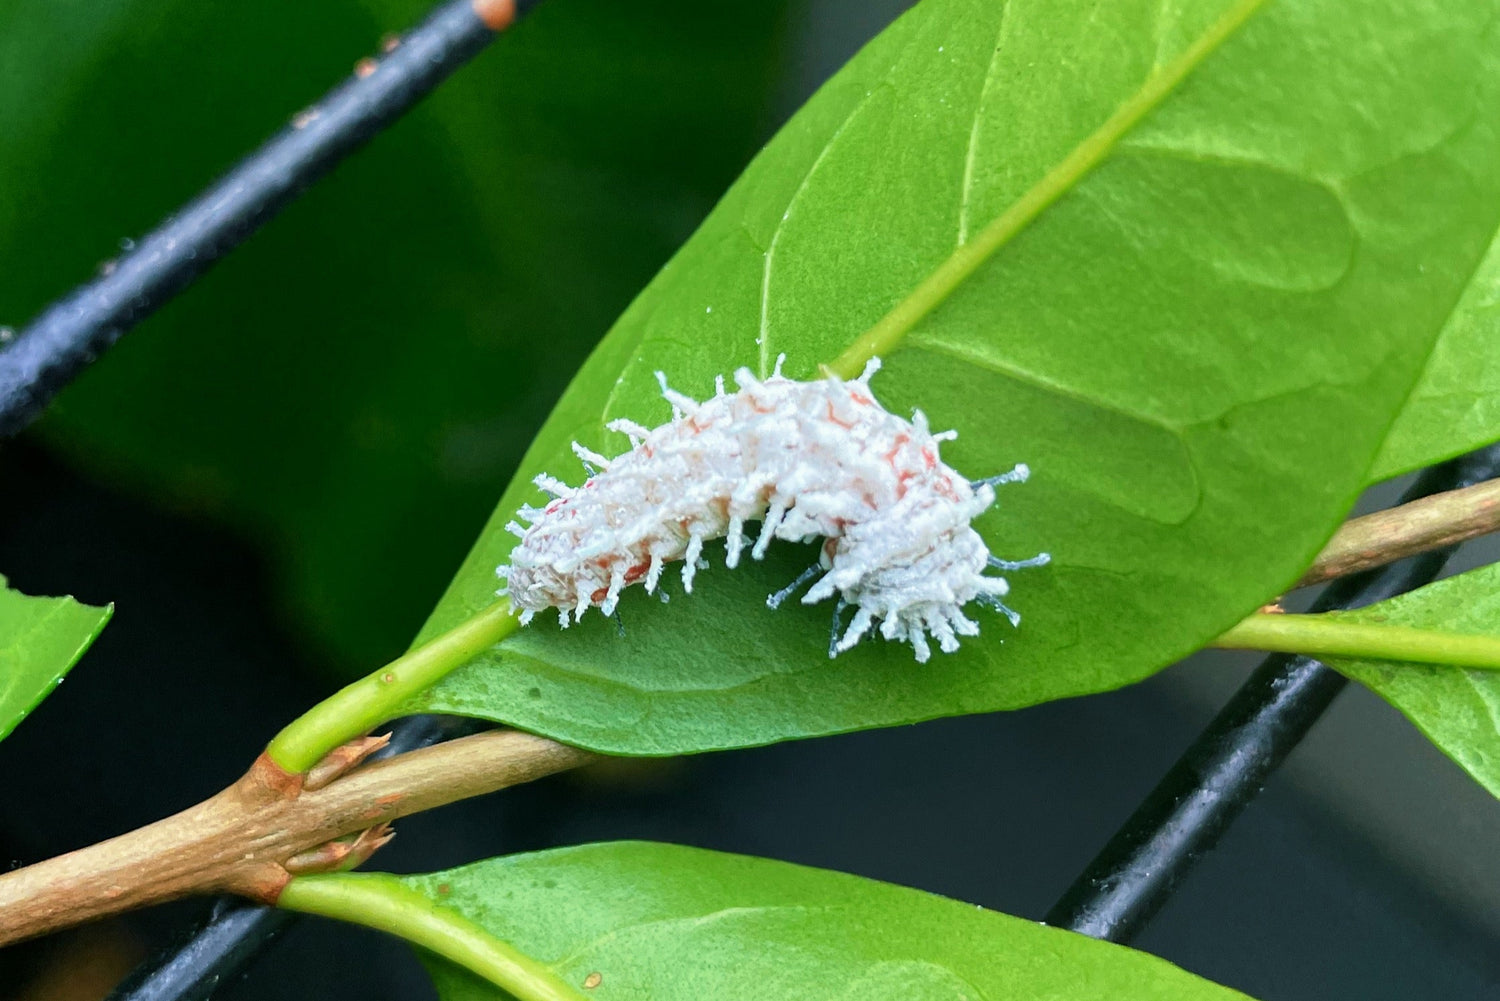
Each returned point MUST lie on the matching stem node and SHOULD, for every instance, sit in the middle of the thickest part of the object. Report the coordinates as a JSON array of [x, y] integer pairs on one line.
[[244, 839]]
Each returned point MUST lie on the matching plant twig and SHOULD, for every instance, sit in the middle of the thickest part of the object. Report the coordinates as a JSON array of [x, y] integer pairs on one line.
[[1421, 525], [1329, 635], [240, 840], [234, 931], [383, 902]]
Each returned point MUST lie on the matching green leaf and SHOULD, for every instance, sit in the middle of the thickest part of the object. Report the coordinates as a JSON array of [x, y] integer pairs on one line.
[[1458, 709], [666, 922], [40, 639], [1211, 275], [363, 375], [1455, 406]]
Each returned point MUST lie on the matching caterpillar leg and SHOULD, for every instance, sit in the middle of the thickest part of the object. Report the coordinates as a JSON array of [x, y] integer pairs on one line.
[[1039, 560], [653, 573], [919, 646], [775, 600], [838, 627], [942, 631], [616, 585], [774, 515], [1020, 474], [734, 541], [690, 561], [857, 629], [991, 601]]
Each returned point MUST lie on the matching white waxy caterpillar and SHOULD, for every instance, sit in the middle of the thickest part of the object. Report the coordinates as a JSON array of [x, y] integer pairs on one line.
[[807, 460]]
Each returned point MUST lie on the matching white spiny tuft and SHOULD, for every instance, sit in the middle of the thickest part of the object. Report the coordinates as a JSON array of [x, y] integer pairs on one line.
[[553, 486], [635, 432], [590, 458]]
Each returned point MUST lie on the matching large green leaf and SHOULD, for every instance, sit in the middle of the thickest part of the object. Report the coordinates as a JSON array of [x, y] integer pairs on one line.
[[355, 385], [1458, 709], [668, 923], [1456, 404], [40, 639], [1247, 225]]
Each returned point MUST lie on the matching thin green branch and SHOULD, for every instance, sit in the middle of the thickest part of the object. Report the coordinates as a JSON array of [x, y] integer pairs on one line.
[[1331, 635], [383, 902], [375, 698]]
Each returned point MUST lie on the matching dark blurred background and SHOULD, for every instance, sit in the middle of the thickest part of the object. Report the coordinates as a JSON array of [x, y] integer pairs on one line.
[[274, 477]]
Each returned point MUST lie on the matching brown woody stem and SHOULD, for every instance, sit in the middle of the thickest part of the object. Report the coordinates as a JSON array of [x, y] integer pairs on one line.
[[1386, 536], [240, 840]]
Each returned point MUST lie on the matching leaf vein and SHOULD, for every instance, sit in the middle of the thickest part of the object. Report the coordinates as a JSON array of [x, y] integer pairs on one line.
[[973, 145], [961, 353], [763, 334]]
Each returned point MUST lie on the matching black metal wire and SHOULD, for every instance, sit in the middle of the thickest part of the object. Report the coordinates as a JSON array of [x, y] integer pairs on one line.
[[1227, 764], [219, 949], [71, 333], [236, 931]]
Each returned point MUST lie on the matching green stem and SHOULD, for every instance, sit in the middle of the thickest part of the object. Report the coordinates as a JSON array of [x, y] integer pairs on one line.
[[383, 902], [1335, 636], [375, 698]]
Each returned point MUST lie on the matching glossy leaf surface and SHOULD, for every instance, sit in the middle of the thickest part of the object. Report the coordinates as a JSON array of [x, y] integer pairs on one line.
[[1161, 255], [638, 920], [1458, 709], [40, 639], [1456, 404]]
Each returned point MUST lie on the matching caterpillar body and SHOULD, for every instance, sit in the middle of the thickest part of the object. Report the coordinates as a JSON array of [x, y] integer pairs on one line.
[[807, 460]]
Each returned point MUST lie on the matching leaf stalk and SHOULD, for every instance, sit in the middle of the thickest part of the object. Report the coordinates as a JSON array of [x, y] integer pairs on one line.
[[384, 903], [1333, 635], [357, 707]]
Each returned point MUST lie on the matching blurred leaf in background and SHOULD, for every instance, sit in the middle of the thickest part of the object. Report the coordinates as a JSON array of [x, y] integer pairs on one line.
[[355, 386]]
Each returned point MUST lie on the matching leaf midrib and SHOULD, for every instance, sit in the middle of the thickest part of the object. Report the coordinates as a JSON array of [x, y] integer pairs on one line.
[[887, 333]]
